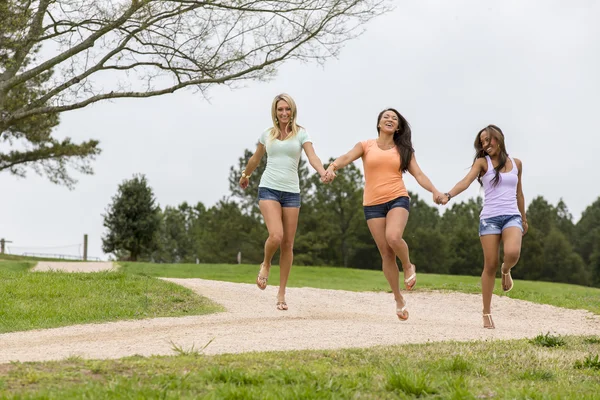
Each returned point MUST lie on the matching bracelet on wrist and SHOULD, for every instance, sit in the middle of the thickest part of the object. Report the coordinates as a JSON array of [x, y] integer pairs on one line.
[[334, 165], [448, 195], [244, 174]]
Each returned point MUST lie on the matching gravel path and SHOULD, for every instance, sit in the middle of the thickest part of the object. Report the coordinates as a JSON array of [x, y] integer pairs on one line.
[[45, 266], [317, 319]]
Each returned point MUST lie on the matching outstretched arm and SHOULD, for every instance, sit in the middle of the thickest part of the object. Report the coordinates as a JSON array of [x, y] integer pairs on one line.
[[465, 182], [422, 179], [252, 164], [342, 161], [521, 197], [313, 159]]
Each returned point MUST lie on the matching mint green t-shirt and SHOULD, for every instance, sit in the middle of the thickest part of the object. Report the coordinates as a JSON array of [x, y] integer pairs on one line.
[[283, 157]]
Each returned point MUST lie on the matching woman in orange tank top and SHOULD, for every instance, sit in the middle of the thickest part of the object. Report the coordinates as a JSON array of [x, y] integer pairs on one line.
[[386, 202]]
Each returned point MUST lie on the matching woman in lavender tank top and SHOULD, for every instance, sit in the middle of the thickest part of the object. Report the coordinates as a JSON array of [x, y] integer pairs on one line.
[[503, 216]]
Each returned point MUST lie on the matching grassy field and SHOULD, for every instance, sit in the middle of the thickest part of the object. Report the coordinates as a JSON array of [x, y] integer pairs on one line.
[[46, 300], [500, 370], [32, 300], [546, 367], [557, 294]]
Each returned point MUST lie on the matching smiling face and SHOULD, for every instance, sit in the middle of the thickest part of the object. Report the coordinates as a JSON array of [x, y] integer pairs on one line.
[[283, 111], [388, 122], [490, 141], [489, 144]]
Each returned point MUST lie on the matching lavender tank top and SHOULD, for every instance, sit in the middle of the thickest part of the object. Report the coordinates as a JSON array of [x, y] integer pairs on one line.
[[502, 198]]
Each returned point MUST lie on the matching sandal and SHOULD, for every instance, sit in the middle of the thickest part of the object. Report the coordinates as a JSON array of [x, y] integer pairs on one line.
[[506, 278], [282, 306], [412, 278], [490, 321], [401, 313], [261, 281]]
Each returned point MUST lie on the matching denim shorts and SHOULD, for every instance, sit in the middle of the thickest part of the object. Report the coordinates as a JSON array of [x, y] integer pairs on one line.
[[381, 210], [286, 199], [495, 225]]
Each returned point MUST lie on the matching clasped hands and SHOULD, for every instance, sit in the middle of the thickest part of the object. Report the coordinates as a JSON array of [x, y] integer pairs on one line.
[[328, 176], [440, 198]]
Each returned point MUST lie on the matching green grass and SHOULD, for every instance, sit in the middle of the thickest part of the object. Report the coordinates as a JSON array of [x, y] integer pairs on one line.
[[15, 266], [498, 369], [591, 362], [557, 294], [12, 257], [593, 340], [33, 300], [521, 369], [548, 340]]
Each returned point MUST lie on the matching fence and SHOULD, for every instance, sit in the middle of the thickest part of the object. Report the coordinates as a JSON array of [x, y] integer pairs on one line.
[[60, 256]]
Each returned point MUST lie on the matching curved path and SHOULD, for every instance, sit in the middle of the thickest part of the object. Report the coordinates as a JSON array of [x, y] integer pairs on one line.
[[317, 319]]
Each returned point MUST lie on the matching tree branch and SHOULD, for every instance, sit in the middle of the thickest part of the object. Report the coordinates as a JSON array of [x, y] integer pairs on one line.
[[21, 53], [197, 43], [87, 43]]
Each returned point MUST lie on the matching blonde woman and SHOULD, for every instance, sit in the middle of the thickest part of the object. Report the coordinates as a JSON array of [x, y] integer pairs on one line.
[[279, 187]]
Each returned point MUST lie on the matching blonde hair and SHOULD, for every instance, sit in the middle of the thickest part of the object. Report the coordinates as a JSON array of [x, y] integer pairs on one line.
[[292, 126]]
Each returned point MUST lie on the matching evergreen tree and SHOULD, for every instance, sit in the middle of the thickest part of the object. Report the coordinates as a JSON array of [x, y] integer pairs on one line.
[[132, 220]]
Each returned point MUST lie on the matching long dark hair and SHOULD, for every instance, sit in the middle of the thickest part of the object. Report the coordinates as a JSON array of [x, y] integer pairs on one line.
[[402, 139], [496, 133]]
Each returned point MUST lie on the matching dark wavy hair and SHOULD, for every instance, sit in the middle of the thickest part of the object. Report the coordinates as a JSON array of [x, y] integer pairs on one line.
[[496, 133], [402, 139]]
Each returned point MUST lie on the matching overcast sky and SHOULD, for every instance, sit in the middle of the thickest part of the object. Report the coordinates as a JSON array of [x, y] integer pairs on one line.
[[450, 67]]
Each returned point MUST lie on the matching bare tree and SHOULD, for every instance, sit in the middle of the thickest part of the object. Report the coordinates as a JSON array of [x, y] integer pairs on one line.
[[109, 49]]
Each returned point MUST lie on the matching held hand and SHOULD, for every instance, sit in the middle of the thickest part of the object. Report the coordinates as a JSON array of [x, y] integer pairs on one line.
[[329, 176], [439, 198], [323, 177], [244, 182], [525, 227]]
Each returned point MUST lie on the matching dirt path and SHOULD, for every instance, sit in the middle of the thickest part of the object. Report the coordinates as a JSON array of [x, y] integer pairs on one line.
[[317, 319], [44, 266]]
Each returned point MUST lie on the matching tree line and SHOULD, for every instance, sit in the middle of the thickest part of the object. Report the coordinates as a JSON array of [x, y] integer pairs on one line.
[[332, 230]]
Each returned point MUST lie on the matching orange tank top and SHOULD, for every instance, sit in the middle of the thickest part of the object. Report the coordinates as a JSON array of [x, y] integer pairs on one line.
[[383, 179]]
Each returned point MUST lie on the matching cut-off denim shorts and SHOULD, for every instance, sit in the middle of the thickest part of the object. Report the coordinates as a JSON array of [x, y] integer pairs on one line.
[[286, 199], [495, 225], [381, 210]]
